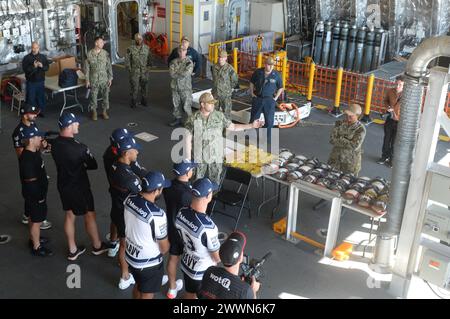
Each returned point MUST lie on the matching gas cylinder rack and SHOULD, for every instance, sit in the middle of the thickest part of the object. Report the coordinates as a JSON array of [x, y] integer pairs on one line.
[[339, 44]]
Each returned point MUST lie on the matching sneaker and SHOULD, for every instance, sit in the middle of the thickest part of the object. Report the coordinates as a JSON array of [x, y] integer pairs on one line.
[[125, 283], [108, 236], [172, 293], [41, 252], [42, 241], [24, 219], [389, 163], [112, 252], [164, 280], [382, 160], [74, 256], [174, 123], [46, 225], [102, 249], [4, 239]]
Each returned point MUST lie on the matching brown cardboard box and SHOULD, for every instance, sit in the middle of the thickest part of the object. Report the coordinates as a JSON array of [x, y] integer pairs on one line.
[[67, 63], [53, 69]]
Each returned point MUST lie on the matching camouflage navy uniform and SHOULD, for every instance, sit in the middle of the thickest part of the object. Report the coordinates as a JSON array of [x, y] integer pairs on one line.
[[207, 138], [98, 73], [225, 80], [137, 60], [181, 85], [347, 140]]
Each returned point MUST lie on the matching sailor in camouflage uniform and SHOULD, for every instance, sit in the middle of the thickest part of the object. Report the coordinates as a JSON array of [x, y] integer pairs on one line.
[[347, 138], [206, 128], [137, 60], [180, 71], [99, 77], [225, 80]]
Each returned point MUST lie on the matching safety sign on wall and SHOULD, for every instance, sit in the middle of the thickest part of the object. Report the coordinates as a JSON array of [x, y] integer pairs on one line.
[[161, 12], [189, 10]]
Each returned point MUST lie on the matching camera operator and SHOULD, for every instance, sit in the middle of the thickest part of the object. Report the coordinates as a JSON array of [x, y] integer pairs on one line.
[[225, 283]]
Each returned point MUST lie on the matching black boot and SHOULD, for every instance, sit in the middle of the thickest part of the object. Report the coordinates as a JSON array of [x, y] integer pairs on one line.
[[143, 102], [133, 104], [175, 123]]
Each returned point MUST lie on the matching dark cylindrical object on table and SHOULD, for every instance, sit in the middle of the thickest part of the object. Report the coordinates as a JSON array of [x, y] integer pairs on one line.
[[318, 41], [335, 44], [351, 46], [368, 51], [360, 39], [326, 44], [376, 49], [343, 40]]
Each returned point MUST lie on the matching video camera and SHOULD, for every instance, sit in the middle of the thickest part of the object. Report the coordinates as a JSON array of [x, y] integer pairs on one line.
[[253, 268]]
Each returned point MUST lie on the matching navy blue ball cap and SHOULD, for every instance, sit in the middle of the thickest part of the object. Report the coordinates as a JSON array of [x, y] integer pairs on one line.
[[153, 181], [67, 119], [127, 143], [183, 167], [203, 186], [28, 108], [119, 134], [30, 132]]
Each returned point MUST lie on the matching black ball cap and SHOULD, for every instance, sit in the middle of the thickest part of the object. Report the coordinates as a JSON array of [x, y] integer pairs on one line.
[[232, 248]]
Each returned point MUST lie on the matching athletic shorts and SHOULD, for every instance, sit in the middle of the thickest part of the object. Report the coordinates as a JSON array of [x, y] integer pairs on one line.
[[79, 201], [191, 285], [176, 244], [148, 280], [117, 216], [35, 210]]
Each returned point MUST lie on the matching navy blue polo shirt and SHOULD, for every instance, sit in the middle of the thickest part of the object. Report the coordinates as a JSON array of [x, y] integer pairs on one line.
[[266, 86]]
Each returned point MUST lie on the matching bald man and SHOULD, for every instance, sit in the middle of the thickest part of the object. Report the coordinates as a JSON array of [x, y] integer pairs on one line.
[[137, 60], [35, 65]]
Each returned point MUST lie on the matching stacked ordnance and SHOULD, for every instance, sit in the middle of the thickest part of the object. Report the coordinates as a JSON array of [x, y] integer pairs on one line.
[[370, 193], [340, 45]]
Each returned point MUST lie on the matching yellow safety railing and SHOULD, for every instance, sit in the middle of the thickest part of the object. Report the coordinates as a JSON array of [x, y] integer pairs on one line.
[[213, 49]]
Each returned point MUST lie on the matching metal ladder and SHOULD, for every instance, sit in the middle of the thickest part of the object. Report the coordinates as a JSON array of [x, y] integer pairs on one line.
[[176, 23]]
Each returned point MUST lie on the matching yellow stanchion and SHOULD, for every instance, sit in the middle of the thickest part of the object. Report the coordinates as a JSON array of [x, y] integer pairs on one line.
[[216, 54], [259, 60], [308, 240], [235, 60], [312, 70], [337, 98], [366, 116], [284, 72]]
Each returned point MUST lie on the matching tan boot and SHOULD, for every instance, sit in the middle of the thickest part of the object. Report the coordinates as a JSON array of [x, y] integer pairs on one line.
[[105, 115], [94, 115]]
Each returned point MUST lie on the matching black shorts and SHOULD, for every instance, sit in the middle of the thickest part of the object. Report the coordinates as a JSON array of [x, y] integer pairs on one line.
[[176, 244], [192, 286], [79, 201], [35, 210], [117, 216], [148, 280]]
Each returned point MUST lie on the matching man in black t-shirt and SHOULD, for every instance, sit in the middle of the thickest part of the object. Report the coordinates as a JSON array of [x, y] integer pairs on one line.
[[72, 160], [224, 283], [177, 196], [110, 156], [34, 187], [28, 114], [123, 183]]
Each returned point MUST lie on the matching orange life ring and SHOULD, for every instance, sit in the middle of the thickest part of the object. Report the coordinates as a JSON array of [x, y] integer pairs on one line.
[[287, 107]]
